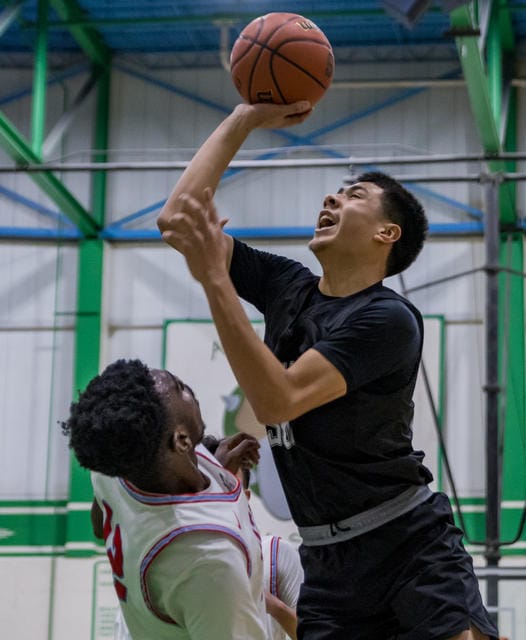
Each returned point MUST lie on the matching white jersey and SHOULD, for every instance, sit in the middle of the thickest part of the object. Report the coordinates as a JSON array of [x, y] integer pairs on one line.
[[283, 575], [186, 567]]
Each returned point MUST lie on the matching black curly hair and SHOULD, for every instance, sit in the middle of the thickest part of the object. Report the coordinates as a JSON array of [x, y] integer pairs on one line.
[[402, 208], [118, 423]]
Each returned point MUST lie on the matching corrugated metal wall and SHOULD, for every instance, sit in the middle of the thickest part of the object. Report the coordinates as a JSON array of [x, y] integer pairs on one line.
[[163, 118]]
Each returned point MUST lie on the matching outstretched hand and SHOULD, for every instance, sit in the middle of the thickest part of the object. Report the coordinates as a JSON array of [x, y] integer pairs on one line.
[[264, 115], [240, 451], [196, 231]]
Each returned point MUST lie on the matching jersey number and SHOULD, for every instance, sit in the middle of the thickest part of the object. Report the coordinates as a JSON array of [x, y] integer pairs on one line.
[[114, 551]]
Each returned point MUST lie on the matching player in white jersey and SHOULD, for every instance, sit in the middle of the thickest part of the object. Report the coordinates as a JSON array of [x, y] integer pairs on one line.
[[282, 570], [283, 576], [184, 551]]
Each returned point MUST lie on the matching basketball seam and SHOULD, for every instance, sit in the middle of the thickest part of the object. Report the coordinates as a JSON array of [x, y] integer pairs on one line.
[[307, 73], [276, 52], [263, 45]]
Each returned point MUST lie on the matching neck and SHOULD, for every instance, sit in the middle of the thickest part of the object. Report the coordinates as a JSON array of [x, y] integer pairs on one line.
[[344, 282], [343, 276], [182, 477]]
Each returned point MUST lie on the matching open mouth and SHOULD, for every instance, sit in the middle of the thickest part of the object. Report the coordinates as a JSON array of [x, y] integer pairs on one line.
[[325, 220]]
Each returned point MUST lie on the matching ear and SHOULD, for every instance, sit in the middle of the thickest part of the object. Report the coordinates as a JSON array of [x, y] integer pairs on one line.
[[180, 441], [388, 233]]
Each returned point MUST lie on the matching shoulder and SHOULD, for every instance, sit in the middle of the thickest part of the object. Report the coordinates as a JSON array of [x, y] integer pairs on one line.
[[395, 308], [374, 316], [243, 254], [384, 304], [102, 483]]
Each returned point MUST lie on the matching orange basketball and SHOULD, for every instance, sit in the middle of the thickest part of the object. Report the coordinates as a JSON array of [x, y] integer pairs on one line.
[[282, 58]]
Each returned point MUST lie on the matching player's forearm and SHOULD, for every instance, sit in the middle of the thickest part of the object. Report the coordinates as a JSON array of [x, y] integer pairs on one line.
[[283, 614], [210, 161], [259, 373], [214, 156]]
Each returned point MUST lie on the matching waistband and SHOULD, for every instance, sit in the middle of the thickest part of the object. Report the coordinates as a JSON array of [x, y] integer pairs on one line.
[[366, 520]]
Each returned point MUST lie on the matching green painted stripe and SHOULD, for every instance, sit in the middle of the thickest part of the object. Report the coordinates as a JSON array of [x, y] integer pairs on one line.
[[79, 527], [41, 524], [39, 528], [475, 528]]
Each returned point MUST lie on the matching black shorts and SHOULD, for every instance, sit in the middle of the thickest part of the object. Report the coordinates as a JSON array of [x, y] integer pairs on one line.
[[410, 579]]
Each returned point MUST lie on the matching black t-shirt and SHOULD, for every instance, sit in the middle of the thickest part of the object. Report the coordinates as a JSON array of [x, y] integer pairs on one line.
[[355, 452]]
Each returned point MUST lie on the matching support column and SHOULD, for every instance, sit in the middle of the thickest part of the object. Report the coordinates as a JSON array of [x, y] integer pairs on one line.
[[38, 105], [492, 388], [80, 540], [493, 102]]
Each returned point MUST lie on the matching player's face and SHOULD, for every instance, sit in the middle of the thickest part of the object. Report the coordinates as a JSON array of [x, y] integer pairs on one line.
[[180, 402], [349, 219]]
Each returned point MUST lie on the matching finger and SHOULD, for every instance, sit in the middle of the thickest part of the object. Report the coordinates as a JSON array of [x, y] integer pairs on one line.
[[210, 206], [296, 118], [302, 106], [181, 221], [183, 238], [246, 449], [233, 441], [248, 463], [173, 236], [186, 203], [208, 194]]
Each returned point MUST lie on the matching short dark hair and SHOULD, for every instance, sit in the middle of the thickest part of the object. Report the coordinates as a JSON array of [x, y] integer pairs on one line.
[[119, 421], [402, 208]]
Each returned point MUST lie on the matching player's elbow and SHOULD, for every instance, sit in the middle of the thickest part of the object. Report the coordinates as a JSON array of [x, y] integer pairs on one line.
[[274, 411]]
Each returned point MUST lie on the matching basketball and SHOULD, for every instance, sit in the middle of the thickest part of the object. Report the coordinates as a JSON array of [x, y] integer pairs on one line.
[[281, 58]]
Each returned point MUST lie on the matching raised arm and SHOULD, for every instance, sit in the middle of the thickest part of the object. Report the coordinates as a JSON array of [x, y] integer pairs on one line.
[[212, 159], [276, 394], [190, 224]]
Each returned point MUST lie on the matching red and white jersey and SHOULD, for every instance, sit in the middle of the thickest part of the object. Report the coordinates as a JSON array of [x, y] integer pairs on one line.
[[185, 567], [283, 575]]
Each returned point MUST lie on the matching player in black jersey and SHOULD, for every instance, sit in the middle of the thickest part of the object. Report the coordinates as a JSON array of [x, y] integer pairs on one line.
[[333, 380]]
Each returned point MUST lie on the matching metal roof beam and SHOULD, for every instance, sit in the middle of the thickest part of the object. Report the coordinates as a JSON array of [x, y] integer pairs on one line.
[[485, 106], [89, 39], [8, 16], [66, 119], [18, 149], [474, 70]]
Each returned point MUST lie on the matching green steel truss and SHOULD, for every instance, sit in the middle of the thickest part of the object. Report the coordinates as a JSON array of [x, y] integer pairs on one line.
[[494, 107]]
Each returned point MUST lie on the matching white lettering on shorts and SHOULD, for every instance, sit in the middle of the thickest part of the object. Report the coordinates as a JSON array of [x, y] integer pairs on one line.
[[281, 435]]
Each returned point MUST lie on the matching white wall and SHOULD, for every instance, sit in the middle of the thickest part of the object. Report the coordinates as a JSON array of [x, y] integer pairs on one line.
[[37, 304]]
